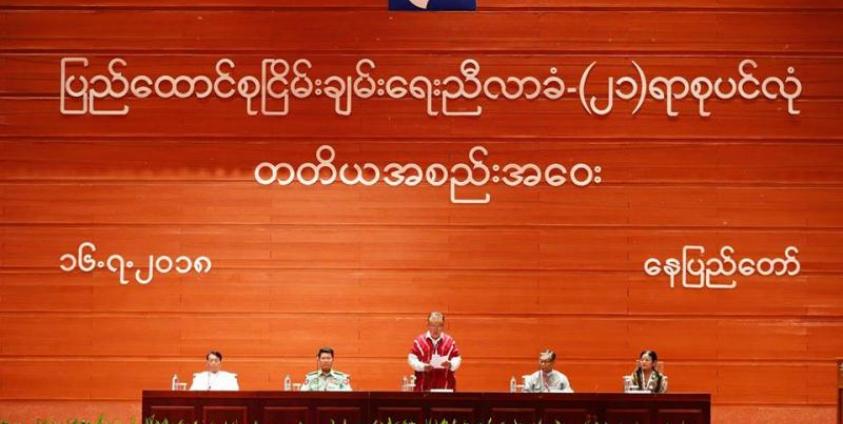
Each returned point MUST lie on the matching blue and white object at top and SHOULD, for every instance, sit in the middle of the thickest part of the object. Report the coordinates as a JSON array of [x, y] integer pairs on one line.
[[422, 5]]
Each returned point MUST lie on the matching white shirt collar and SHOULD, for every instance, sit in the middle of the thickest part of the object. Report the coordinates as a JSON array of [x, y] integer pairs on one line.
[[435, 341]]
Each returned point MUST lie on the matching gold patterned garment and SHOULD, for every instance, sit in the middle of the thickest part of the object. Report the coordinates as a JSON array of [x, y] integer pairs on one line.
[[657, 383]]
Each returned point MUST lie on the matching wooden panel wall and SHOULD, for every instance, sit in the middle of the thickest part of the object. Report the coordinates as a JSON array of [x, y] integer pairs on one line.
[[358, 268]]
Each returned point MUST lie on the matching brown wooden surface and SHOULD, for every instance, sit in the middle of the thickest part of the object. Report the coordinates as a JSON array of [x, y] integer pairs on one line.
[[368, 407], [358, 268], [840, 392]]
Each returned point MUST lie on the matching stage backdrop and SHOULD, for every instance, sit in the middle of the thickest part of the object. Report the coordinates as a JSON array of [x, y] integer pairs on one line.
[[268, 273]]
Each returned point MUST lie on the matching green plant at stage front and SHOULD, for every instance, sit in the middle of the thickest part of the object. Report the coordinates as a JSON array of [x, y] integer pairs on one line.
[[151, 420], [100, 420]]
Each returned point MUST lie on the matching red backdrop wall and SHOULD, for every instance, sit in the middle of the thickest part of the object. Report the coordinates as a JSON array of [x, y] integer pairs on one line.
[[357, 267]]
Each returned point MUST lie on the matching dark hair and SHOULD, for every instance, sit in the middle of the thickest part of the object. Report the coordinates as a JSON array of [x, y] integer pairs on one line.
[[639, 372], [651, 353], [325, 350], [215, 353]]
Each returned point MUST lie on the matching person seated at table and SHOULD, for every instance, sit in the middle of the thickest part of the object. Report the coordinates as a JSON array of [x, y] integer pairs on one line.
[[325, 378], [547, 379], [214, 378], [647, 376]]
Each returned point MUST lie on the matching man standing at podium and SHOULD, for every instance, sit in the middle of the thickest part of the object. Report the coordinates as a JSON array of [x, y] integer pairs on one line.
[[434, 357]]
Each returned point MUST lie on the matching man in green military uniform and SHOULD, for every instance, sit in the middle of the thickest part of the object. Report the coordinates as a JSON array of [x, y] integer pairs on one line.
[[325, 378]]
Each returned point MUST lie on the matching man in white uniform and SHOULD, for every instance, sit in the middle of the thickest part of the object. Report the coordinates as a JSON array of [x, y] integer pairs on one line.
[[214, 378], [547, 379]]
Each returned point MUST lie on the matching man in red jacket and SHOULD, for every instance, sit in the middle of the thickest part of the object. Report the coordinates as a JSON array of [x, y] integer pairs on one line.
[[434, 356]]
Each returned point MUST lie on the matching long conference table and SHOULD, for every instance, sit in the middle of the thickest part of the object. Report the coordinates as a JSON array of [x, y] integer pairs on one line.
[[275, 407]]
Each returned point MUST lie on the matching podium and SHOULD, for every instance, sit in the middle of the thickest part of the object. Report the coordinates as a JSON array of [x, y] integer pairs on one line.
[[275, 407]]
